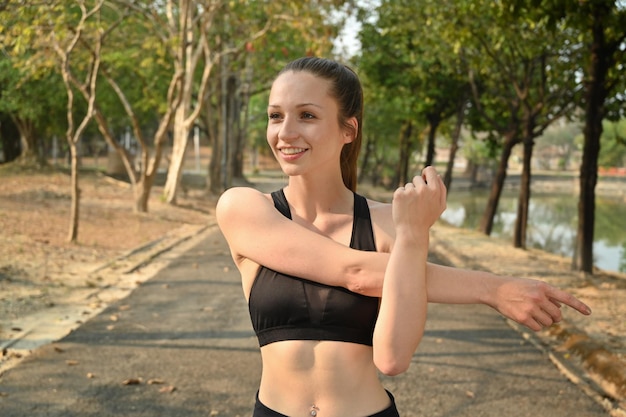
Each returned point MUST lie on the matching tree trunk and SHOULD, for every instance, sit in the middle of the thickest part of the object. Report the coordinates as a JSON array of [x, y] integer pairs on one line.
[[217, 151], [595, 96], [75, 191], [236, 137], [433, 121], [181, 127], [142, 194], [486, 222], [240, 114], [31, 154], [215, 184], [27, 140], [210, 120], [454, 147], [10, 138], [523, 201], [405, 153], [177, 158]]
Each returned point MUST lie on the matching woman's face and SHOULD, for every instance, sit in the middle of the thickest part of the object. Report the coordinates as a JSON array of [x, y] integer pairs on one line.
[[303, 129]]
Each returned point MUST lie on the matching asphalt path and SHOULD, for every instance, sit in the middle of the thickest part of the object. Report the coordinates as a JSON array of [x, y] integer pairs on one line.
[[182, 344]]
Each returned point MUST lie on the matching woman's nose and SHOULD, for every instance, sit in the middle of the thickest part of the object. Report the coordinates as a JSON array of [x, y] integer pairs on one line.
[[288, 130]]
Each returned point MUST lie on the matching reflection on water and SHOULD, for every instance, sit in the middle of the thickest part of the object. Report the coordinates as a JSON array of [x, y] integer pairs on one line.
[[552, 223]]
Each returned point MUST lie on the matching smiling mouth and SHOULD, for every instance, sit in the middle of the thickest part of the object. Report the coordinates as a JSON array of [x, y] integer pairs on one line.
[[292, 151]]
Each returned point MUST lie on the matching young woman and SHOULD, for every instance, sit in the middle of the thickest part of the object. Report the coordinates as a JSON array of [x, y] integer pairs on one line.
[[337, 285]]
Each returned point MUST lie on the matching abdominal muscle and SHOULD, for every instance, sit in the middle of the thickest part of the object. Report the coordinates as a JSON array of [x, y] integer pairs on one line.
[[337, 378]]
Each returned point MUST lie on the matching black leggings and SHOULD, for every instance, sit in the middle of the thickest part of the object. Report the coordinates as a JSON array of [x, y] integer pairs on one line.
[[260, 410]]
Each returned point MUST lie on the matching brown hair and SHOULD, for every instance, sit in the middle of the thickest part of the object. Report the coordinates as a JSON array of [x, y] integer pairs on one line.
[[347, 91]]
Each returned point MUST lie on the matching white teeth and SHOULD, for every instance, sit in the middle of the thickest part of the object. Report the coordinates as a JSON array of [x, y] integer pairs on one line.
[[292, 151]]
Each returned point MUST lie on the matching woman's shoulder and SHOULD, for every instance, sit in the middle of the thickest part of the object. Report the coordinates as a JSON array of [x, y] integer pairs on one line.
[[382, 222], [244, 195], [239, 201]]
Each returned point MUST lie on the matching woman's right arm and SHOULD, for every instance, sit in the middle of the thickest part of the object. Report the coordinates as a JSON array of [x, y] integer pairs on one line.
[[256, 231]]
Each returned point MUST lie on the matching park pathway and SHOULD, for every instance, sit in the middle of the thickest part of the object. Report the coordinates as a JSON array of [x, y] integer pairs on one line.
[[181, 344]]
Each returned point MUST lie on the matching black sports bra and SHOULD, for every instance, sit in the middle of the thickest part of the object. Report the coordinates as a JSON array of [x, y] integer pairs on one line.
[[284, 307]]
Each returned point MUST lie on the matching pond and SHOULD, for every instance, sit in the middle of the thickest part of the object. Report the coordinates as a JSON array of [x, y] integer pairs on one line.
[[552, 222]]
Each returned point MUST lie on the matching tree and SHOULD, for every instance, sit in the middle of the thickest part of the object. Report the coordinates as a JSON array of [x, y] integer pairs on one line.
[[454, 141], [191, 23], [249, 64], [65, 42], [382, 114], [410, 61], [602, 24], [522, 82], [29, 91], [217, 33]]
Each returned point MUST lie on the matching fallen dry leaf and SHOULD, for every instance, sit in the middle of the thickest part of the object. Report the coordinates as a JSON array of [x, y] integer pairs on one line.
[[11, 354], [71, 362], [168, 389], [469, 394], [132, 381], [90, 375], [155, 381]]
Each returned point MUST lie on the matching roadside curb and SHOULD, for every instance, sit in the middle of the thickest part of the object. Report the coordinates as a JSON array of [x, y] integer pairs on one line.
[[597, 371], [126, 273], [570, 362]]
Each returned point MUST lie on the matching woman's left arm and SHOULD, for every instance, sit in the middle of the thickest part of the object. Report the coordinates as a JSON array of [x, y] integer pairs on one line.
[[402, 315], [533, 303], [530, 302]]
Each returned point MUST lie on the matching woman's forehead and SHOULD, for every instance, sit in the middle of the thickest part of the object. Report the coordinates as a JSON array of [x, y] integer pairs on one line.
[[293, 84]]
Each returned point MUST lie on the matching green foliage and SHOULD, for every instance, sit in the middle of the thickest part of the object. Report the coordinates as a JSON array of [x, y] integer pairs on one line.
[[613, 144], [31, 89], [605, 18], [403, 52], [297, 29]]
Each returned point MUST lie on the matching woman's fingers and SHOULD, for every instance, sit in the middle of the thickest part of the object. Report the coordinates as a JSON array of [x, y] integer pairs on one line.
[[429, 174], [559, 297]]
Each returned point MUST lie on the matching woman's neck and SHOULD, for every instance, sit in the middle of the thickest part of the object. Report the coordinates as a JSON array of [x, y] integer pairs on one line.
[[318, 196]]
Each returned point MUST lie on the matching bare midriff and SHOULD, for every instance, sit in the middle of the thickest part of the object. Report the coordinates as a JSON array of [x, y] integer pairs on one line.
[[321, 378]]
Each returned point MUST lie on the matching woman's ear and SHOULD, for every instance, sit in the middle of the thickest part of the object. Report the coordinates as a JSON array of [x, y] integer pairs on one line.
[[351, 129]]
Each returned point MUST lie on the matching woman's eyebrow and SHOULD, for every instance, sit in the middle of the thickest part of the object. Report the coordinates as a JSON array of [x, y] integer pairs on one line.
[[277, 106]]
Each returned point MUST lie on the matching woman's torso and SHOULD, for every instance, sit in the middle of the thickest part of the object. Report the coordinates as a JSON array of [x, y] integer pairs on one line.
[[338, 378]]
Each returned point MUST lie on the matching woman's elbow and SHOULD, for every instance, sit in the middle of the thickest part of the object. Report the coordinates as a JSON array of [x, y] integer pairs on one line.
[[392, 365], [361, 282]]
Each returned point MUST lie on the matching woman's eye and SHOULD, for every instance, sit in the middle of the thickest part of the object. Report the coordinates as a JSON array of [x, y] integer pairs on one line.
[[273, 116], [306, 115]]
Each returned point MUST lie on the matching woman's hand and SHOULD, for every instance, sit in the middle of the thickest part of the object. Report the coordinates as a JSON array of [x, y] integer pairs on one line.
[[533, 303], [418, 204]]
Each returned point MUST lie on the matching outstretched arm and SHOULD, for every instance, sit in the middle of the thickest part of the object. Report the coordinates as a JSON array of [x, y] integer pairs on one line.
[[533, 303], [255, 230]]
